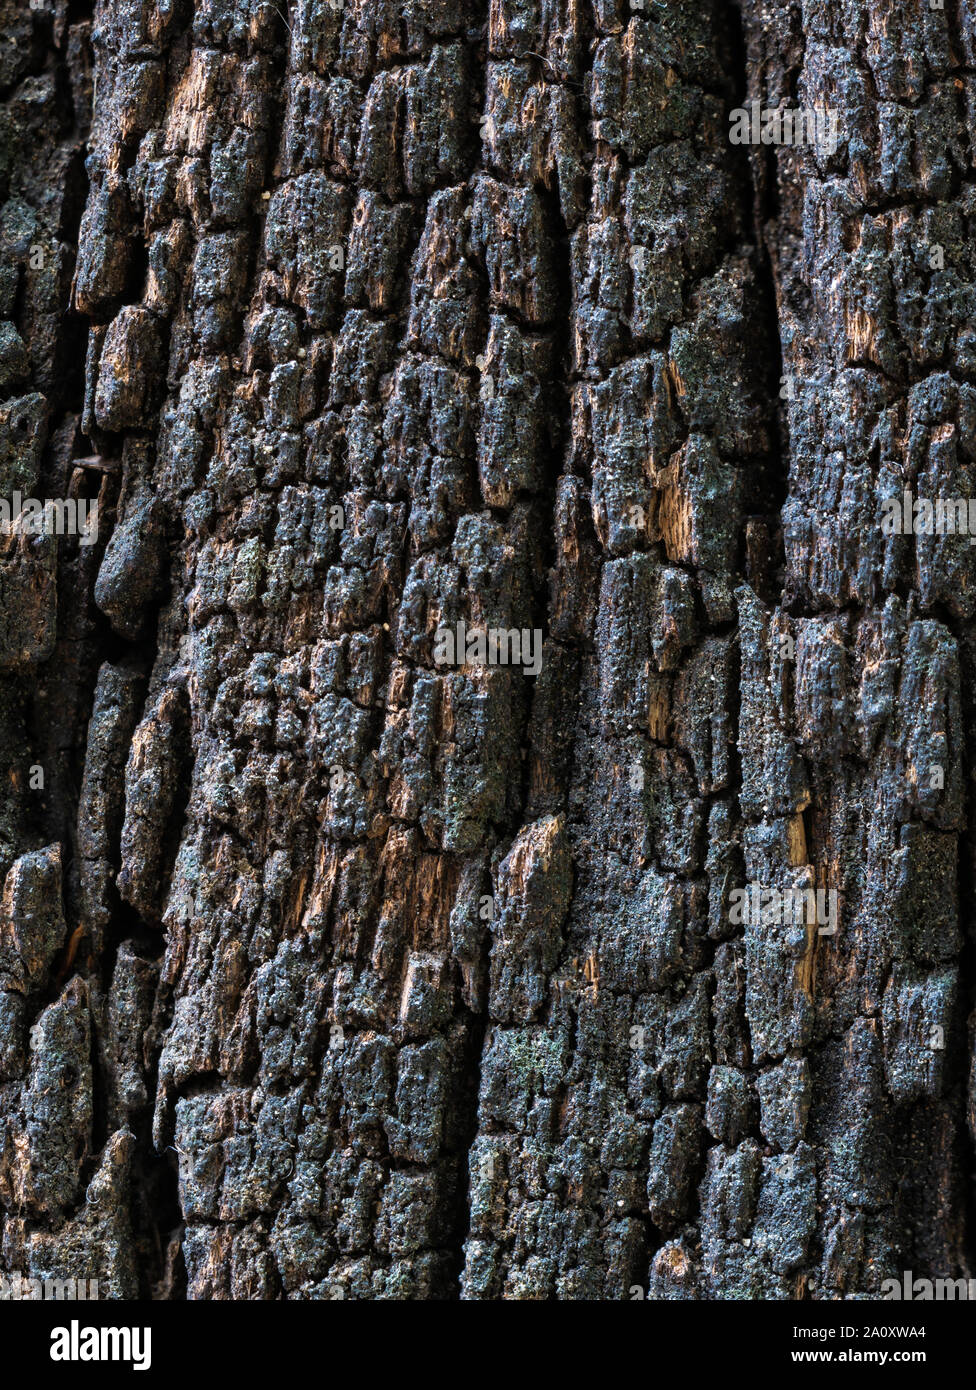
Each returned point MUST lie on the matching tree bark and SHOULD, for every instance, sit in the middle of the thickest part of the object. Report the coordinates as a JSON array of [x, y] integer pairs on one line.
[[328, 969]]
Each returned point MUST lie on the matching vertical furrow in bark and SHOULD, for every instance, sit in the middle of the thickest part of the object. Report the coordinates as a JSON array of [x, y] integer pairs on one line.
[[55, 1163], [597, 1065], [874, 275], [528, 204]]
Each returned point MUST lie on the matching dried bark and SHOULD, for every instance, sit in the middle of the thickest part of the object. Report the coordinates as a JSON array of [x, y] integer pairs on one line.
[[328, 972]]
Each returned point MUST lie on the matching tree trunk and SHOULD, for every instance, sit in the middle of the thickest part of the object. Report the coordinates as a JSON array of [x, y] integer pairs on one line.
[[333, 963]]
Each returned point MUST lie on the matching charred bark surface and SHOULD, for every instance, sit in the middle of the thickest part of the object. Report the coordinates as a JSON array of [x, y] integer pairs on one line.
[[330, 969]]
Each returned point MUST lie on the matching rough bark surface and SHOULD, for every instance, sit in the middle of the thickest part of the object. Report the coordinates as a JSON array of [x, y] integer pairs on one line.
[[326, 971]]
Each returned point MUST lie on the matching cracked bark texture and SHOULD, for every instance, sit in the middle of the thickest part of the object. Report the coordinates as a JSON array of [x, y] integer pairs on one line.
[[328, 972]]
